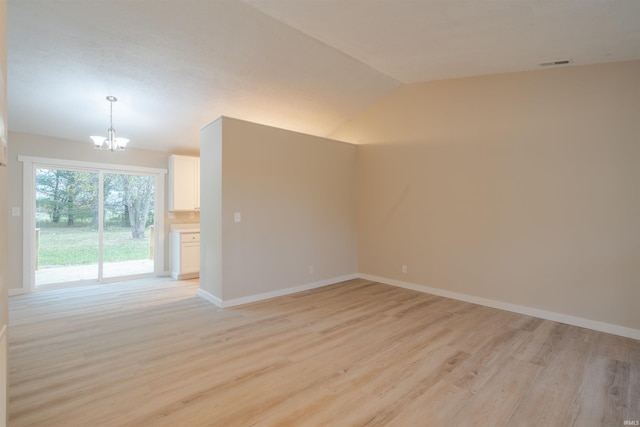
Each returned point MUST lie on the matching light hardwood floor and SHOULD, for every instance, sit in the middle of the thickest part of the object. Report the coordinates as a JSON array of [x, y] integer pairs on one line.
[[152, 353]]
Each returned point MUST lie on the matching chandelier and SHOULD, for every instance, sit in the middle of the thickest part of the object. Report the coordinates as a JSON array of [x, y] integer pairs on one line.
[[110, 143]]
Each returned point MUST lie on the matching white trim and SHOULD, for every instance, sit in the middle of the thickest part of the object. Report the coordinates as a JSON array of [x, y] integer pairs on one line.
[[3, 332], [209, 297], [272, 294], [78, 164], [501, 305], [12, 292], [515, 308]]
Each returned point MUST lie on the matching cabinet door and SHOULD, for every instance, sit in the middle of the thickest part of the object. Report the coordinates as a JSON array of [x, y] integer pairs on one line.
[[184, 178], [190, 258]]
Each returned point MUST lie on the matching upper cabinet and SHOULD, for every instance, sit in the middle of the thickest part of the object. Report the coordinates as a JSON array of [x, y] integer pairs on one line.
[[184, 183]]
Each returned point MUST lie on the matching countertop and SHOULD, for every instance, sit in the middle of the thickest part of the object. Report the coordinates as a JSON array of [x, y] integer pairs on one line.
[[185, 228]]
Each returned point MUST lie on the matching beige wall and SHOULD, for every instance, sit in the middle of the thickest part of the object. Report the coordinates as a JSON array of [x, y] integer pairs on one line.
[[296, 194], [40, 146], [522, 188]]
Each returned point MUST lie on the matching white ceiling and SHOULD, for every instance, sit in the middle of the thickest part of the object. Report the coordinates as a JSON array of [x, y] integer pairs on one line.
[[305, 65]]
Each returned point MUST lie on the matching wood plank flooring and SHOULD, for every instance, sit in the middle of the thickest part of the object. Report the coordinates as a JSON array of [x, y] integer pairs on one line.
[[152, 353]]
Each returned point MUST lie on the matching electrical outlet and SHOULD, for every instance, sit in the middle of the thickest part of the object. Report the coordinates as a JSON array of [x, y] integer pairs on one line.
[[237, 217], [311, 271], [404, 269]]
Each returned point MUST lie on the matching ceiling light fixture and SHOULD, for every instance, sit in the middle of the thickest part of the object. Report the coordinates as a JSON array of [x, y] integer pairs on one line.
[[110, 143]]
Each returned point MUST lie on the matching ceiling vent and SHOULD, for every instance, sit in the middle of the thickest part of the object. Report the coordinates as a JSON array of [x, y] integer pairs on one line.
[[552, 63]]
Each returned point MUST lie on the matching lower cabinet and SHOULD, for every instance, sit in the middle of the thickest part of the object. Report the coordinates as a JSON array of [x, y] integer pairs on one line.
[[185, 255]]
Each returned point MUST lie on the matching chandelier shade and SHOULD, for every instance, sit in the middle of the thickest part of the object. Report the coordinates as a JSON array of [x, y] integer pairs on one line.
[[110, 142]]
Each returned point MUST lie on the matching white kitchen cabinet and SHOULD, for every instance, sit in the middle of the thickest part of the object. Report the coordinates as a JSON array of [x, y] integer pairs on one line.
[[184, 183], [185, 254]]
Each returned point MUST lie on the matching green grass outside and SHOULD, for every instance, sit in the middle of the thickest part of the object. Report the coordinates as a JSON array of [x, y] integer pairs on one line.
[[63, 246]]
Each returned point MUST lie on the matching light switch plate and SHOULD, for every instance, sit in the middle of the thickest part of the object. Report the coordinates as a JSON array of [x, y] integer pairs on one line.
[[237, 217], [15, 211]]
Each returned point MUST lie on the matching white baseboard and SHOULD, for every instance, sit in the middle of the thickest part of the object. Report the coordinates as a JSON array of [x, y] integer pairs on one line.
[[16, 291], [515, 308], [209, 297], [273, 294]]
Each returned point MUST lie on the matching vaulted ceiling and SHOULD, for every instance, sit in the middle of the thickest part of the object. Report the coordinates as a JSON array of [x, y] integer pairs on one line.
[[304, 65]]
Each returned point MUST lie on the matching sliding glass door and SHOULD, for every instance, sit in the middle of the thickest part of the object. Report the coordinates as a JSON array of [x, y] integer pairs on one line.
[[128, 224], [66, 220], [93, 225]]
